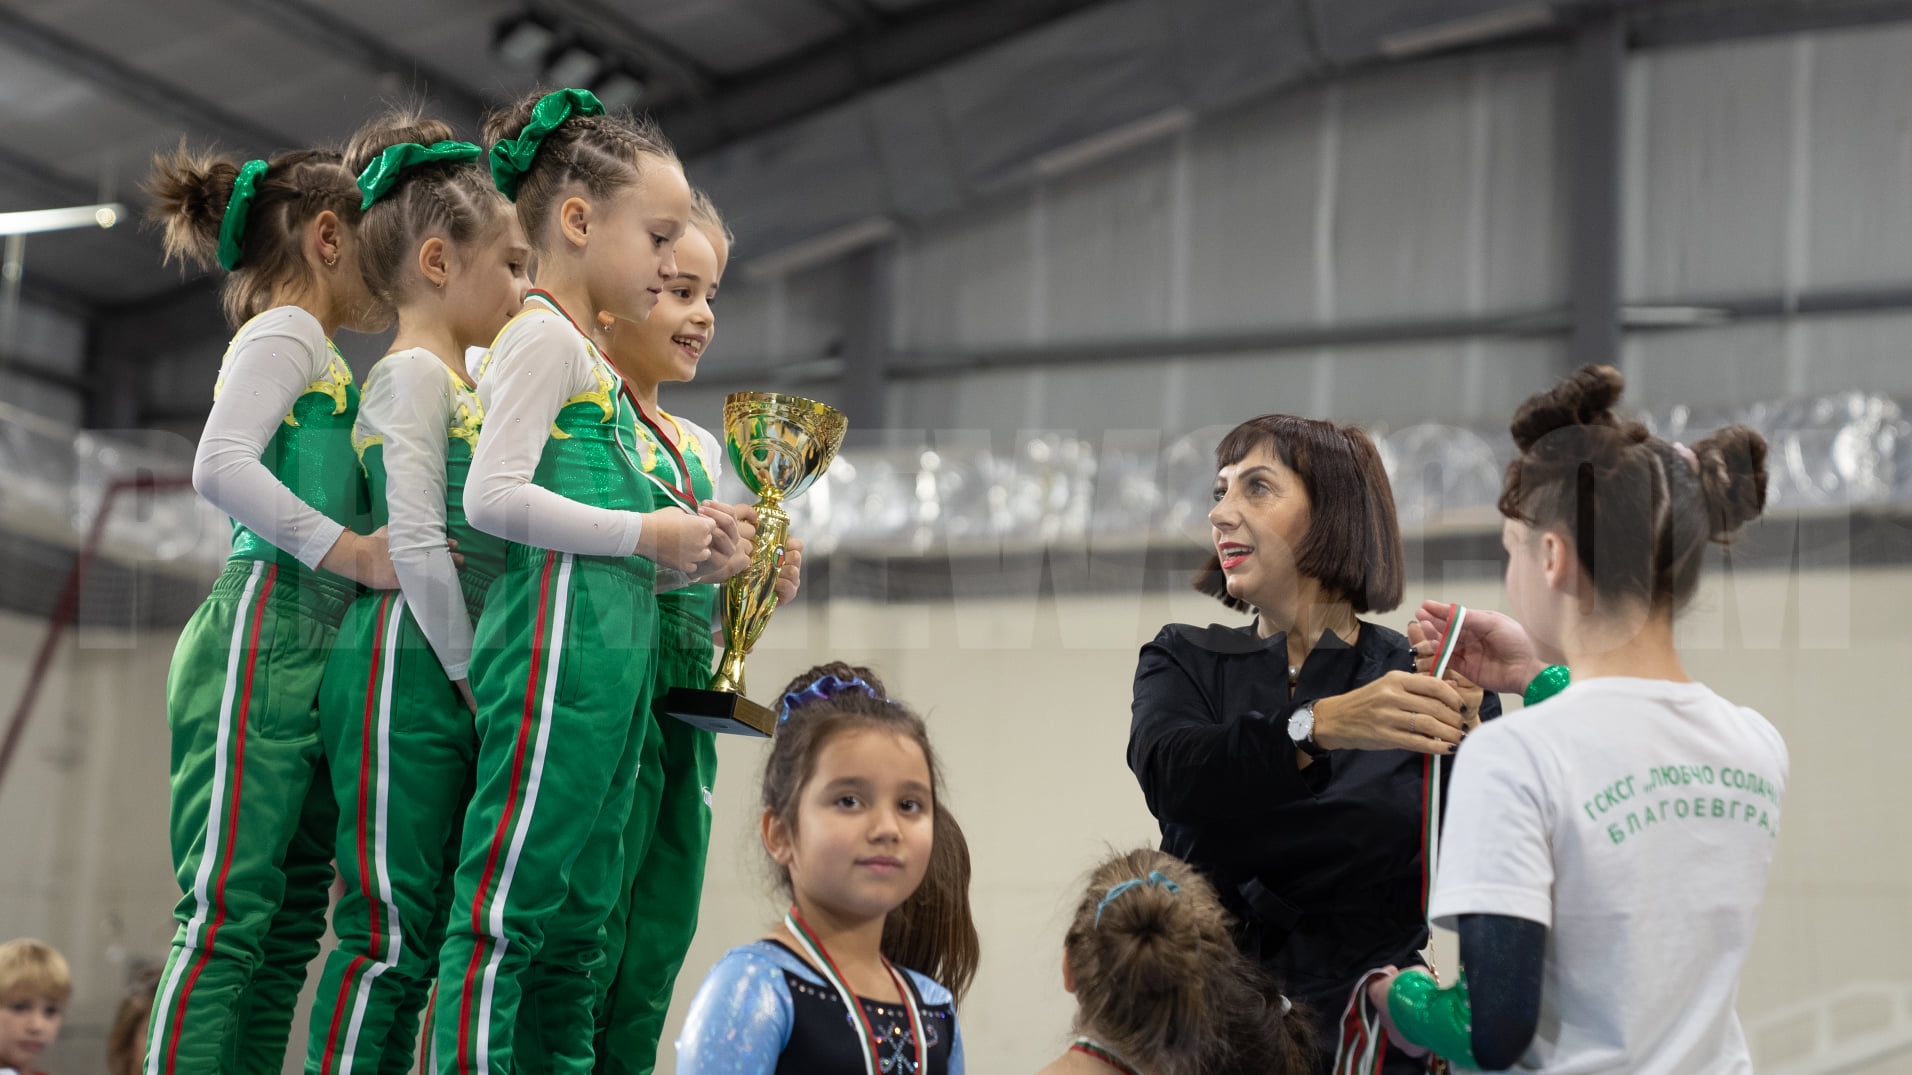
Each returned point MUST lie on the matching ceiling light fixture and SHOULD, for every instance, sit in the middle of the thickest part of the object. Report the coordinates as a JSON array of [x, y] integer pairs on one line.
[[524, 40], [619, 90], [32, 221], [573, 65], [1469, 30]]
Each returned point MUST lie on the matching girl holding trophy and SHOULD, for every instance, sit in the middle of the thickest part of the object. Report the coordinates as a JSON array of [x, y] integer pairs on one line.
[[564, 648], [668, 835]]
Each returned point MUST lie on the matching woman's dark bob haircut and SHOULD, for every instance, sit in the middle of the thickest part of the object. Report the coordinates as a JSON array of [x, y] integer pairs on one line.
[[1353, 544]]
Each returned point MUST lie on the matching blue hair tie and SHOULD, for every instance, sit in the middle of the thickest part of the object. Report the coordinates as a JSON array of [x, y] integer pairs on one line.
[[826, 687], [1154, 879]]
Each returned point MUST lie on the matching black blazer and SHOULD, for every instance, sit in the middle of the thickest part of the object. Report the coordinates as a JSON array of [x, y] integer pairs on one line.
[[1322, 868]]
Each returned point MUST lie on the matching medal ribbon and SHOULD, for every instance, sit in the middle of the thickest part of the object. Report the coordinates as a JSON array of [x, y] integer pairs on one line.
[[1431, 834], [1091, 1047], [682, 493], [867, 1040], [1364, 1043]]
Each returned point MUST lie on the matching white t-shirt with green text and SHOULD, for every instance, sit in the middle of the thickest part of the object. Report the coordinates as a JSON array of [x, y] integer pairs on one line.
[[1635, 819]]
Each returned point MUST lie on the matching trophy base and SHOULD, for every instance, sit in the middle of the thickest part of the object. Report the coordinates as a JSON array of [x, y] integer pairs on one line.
[[718, 711]]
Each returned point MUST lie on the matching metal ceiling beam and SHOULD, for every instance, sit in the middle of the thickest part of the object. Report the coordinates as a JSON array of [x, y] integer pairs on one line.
[[1595, 115], [839, 69], [137, 87], [1670, 23], [20, 168], [653, 55], [351, 43]]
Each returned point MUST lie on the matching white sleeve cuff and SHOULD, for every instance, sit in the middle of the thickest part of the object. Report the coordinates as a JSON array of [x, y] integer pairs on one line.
[[320, 542]]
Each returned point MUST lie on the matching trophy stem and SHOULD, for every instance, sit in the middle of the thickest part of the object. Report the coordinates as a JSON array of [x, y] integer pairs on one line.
[[730, 672]]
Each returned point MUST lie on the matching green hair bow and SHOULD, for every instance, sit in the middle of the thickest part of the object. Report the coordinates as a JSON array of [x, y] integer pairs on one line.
[[382, 174], [511, 159], [232, 226]]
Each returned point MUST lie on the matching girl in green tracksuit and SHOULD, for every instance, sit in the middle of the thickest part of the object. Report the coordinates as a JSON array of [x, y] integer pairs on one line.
[[251, 814], [650, 929], [563, 650], [442, 247]]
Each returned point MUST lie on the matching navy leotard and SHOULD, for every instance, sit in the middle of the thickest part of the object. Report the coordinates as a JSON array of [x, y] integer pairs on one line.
[[762, 1010]]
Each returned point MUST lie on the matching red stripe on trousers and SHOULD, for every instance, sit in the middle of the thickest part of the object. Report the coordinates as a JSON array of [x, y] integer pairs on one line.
[[232, 827], [504, 819], [338, 1010], [364, 809]]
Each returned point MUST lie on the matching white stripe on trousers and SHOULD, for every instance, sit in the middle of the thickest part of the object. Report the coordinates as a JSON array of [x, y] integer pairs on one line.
[[202, 902], [554, 645], [380, 824]]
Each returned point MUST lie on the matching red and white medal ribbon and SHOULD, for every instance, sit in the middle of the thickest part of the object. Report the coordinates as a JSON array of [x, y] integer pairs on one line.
[[1431, 837], [1364, 1046], [1364, 1041], [866, 1036]]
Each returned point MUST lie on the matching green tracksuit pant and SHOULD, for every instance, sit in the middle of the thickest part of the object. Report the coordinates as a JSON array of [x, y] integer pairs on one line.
[[564, 653], [650, 930], [251, 819], [399, 742]]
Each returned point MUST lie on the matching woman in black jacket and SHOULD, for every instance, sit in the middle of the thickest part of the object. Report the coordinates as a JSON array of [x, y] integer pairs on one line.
[[1288, 759]]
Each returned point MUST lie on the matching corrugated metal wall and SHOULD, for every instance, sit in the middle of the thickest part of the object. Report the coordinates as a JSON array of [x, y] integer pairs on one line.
[[1759, 169]]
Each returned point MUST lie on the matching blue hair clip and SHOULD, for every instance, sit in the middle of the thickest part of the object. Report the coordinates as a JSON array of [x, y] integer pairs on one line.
[[824, 688], [1154, 879]]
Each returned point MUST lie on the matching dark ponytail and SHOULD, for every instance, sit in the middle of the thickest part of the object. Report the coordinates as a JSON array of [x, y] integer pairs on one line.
[[1640, 511], [190, 191], [933, 932]]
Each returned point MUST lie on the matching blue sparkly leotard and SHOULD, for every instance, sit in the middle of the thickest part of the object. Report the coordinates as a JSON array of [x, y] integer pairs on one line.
[[763, 1011]]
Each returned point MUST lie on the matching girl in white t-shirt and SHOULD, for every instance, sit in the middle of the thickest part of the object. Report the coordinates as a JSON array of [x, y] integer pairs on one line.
[[1606, 848]]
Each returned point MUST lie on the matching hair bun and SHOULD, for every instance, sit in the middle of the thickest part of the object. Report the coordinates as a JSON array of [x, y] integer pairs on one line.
[[1584, 399], [1733, 478], [396, 127], [189, 192]]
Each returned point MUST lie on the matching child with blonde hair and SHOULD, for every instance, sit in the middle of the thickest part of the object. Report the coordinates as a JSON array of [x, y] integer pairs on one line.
[[35, 985]]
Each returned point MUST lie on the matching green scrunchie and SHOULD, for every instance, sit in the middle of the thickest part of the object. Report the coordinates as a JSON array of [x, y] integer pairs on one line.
[[1551, 681], [511, 159], [381, 175], [1432, 1017], [232, 226]]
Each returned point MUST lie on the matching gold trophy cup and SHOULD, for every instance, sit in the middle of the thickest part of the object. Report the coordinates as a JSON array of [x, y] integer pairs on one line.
[[779, 446]]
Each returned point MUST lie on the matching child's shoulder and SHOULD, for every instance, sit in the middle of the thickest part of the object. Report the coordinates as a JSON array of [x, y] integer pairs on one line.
[[931, 990], [762, 959], [290, 323], [538, 325]]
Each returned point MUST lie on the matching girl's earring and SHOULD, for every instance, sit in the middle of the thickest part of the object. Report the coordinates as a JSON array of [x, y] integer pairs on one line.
[[331, 261]]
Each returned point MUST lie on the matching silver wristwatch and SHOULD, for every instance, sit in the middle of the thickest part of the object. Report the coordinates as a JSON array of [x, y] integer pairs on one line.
[[1301, 730]]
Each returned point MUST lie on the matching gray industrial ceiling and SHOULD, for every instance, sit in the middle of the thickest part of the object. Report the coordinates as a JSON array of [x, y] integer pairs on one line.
[[956, 94]]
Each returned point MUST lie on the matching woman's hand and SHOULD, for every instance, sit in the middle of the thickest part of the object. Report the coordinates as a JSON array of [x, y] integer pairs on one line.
[[1471, 694], [364, 558], [1493, 651], [676, 538], [1399, 711], [790, 576]]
